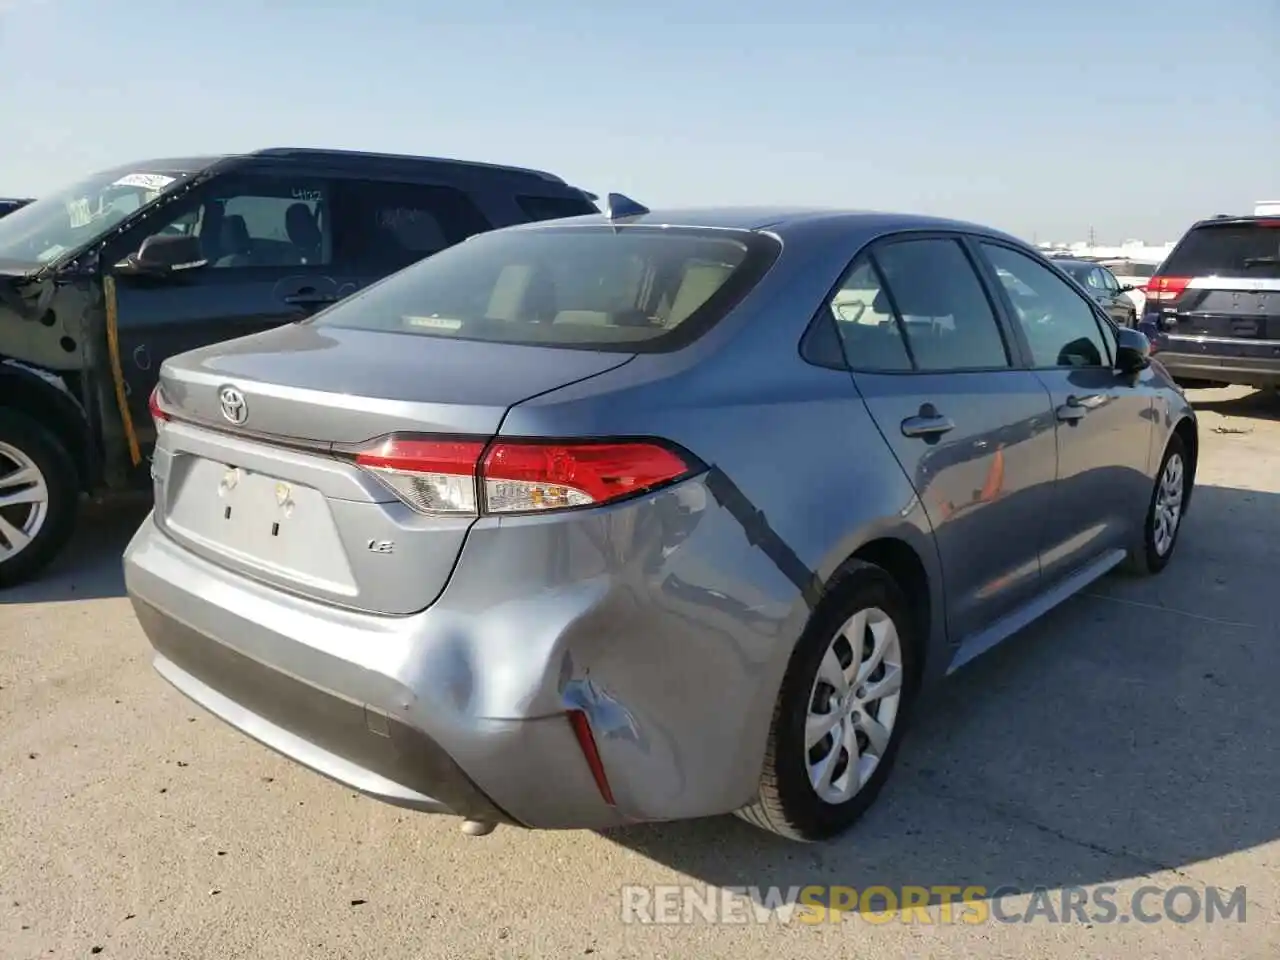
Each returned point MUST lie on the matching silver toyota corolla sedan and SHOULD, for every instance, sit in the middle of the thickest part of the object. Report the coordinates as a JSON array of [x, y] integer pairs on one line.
[[647, 516]]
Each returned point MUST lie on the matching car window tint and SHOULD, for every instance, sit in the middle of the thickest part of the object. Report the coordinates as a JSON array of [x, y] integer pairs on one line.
[[259, 222], [948, 320], [1249, 250], [1059, 324], [869, 332], [629, 289], [554, 208], [382, 227]]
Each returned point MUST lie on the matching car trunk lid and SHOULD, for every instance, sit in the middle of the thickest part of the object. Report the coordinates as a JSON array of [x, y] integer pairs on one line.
[[252, 471]]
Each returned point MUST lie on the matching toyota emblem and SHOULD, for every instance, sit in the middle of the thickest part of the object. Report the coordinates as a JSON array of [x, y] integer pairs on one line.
[[233, 406]]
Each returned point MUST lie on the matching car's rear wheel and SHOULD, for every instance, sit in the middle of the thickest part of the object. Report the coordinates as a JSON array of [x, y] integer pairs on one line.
[[841, 712], [38, 497], [1164, 513]]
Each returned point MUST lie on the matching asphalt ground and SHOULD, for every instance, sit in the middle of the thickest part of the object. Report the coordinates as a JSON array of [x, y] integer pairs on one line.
[[1125, 746]]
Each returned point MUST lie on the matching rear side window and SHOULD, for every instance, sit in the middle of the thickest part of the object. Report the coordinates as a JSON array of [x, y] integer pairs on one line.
[[554, 208], [382, 227], [1248, 250], [869, 331], [627, 289], [944, 311]]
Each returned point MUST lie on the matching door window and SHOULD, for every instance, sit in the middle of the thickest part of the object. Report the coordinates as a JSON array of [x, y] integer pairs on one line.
[[258, 222], [1109, 281], [947, 319], [1060, 325], [869, 330], [383, 226]]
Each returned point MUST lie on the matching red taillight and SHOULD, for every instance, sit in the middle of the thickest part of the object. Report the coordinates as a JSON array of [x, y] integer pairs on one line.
[[587, 743], [1268, 223], [431, 476], [1166, 289], [520, 477], [158, 413], [449, 476]]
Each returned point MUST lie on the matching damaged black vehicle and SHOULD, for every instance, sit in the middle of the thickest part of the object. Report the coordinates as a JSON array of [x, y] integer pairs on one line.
[[104, 280]]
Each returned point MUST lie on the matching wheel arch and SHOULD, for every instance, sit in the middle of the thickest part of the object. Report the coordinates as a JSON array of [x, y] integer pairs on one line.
[[56, 410], [1185, 430]]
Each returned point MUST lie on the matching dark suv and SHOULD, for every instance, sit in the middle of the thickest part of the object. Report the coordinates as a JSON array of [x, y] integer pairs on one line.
[[1213, 307], [104, 280]]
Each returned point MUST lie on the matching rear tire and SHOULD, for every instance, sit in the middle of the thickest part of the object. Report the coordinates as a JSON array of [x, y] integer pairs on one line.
[[811, 788], [39, 497], [1164, 513]]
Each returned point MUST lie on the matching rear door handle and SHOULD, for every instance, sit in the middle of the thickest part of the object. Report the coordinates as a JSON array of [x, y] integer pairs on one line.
[[1072, 411], [927, 426]]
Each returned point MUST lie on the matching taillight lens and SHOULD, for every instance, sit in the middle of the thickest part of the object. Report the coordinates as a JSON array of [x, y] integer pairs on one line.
[[1166, 289], [431, 476], [157, 411], [522, 477], [458, 477]]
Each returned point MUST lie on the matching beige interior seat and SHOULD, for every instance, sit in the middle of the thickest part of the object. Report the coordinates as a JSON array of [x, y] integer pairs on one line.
[[700, 281]]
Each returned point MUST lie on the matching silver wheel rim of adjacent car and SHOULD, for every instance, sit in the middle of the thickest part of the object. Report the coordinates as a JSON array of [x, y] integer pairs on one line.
[[853, 705], [24, 501], [1168, 506]]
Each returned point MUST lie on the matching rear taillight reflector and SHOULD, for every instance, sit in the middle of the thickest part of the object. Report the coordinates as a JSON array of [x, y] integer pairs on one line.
[[1166, 289], [587, 744], [456, 477], [158, 413]]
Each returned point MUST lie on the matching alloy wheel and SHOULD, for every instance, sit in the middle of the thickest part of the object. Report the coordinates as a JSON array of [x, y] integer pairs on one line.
[[1168, 505], [853, 705], [24, 501]]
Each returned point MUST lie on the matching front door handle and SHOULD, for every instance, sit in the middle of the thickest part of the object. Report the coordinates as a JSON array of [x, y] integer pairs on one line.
[[1072, 411], [927, 425]]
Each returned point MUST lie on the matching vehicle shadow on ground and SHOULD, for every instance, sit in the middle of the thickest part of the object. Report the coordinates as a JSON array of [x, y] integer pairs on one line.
[[1258, 405], [1132, 730], [89, 568]]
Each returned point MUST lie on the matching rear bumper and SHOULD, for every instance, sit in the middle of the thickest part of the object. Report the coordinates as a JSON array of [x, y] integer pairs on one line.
[[1219, 360], [379, 755], [636, 615], [338, 695]]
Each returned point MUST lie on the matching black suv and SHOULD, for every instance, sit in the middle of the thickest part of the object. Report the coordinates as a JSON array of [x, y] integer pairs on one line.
[[102, 281], [1213, 306]]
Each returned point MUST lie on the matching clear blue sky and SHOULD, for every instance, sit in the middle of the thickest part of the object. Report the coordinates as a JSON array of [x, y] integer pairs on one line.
[[1047, 119]]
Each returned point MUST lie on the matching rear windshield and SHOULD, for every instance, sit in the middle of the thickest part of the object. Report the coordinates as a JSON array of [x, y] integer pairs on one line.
[[627, 289], [1232, 250]]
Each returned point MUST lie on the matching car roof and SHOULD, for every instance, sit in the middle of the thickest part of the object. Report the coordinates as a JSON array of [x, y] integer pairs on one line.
[[1075, 261], [780, 220], [1225, 220], [357, 159]]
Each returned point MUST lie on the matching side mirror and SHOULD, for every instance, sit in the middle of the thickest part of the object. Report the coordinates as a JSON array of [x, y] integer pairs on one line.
[[1126, 287], [163, 254], [1133, 350]]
